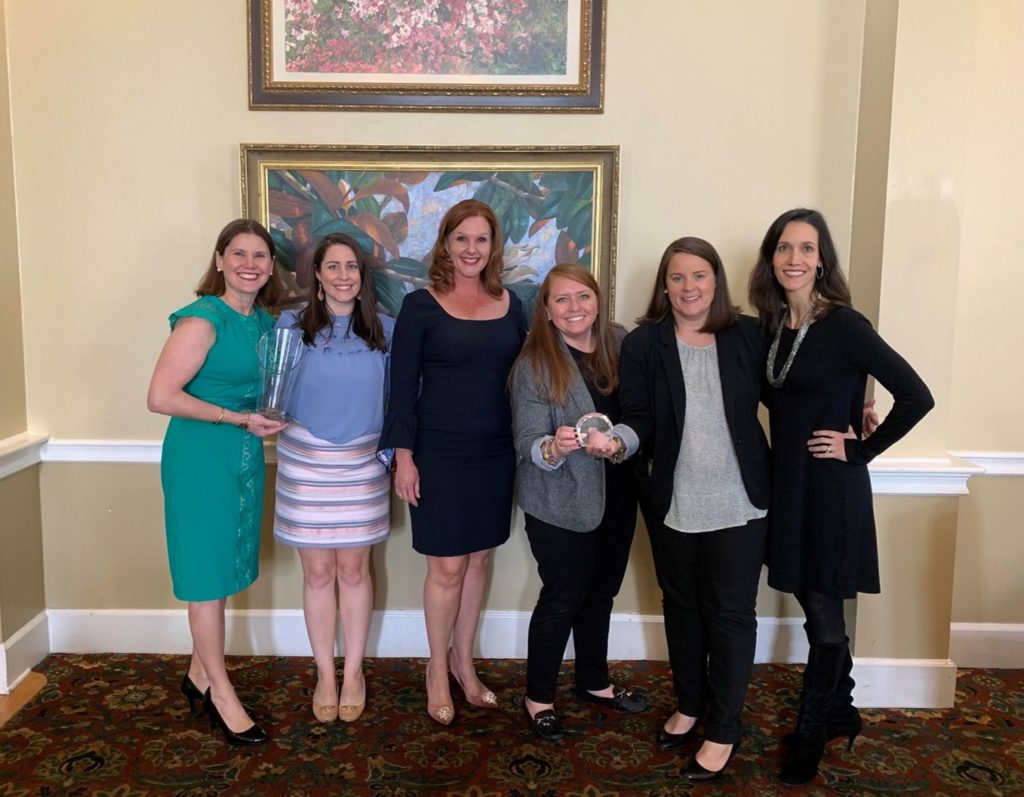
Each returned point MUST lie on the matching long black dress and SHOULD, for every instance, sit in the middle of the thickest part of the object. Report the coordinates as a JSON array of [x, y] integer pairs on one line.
[[449, 404], [821, 523]]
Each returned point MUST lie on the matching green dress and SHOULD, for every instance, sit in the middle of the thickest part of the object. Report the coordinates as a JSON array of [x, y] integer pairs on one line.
[[212, 474]]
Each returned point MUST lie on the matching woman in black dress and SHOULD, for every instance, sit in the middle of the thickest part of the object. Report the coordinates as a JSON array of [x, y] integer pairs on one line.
[[450, 424], [821, 542]]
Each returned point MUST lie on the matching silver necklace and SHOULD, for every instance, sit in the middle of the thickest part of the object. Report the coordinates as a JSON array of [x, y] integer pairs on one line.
[[776, 381]]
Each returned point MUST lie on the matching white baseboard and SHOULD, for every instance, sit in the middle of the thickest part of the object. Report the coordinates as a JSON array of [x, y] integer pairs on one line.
[[997, 645], [904, 683], [395, 633], [881, 683], [24, 650]]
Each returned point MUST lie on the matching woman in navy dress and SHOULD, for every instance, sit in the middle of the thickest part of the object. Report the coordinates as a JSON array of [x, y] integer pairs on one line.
[[821, 538], [450, 424]]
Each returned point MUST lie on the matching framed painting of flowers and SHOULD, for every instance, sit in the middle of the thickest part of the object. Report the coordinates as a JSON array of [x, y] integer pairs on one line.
[[554, 205], [427, 55]]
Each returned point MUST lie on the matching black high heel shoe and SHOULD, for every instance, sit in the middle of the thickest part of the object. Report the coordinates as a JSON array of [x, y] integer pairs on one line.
[[695, 773], [251, 736], [193, 696], [848, 727]]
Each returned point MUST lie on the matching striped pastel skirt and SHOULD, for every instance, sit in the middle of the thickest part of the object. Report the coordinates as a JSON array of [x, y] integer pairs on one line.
[[330, 495]]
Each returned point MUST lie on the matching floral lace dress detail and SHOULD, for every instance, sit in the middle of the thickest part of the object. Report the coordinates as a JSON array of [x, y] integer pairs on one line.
[[213, 474]]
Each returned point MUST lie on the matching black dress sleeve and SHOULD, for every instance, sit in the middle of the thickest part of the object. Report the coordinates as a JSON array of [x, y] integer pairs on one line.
[[911, 398], [401, 423]]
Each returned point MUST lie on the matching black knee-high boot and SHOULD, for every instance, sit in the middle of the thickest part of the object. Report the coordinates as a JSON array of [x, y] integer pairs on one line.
[[843, 718], [821, 678]]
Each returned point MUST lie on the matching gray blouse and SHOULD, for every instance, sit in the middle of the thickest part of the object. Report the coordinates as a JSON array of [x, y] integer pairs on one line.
[[708, 492]]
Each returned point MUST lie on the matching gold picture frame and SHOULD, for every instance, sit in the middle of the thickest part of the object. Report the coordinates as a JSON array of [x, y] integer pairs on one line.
[[547, 59], [554, 204]]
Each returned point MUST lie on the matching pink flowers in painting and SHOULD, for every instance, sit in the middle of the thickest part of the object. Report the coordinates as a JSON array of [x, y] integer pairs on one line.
[[430, 37]]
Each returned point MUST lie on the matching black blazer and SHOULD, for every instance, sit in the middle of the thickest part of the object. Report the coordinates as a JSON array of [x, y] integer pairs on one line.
[[653, 399]]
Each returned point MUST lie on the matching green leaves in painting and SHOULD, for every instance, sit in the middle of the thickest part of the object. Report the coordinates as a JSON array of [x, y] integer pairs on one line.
[[375, 208]]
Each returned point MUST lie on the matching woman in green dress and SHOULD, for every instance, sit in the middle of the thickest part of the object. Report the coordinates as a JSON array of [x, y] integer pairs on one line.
[[207, 380]]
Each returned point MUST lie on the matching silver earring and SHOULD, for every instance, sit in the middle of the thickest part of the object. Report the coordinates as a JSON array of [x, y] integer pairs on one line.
[[820, 271], [320, 293]]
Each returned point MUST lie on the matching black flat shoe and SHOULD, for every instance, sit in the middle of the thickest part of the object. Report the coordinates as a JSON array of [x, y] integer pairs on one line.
[[545, 724], [251, 736], [623, 700], [670, 741], [193, 695], [697, 774]]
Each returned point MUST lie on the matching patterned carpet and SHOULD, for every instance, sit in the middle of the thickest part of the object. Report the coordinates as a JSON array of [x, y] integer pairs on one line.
[[116, 726]]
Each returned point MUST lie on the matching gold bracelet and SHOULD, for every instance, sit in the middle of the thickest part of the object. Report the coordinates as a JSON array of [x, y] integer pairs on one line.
[[619, 456], [219, 417], [547, 452]]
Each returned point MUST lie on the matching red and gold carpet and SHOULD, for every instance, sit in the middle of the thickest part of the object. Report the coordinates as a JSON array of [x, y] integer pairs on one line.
[[116, 726]]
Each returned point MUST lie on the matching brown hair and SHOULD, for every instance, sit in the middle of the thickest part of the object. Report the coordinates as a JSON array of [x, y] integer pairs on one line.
[[316, 315], [442, 272], [546, 356], [721, 313], [765, 293], [212, 282]]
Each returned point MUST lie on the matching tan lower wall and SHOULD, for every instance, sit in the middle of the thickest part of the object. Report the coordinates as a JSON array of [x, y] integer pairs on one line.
[[104, 542], [916, 548], [21, 551], [105, 549], [988, 586]]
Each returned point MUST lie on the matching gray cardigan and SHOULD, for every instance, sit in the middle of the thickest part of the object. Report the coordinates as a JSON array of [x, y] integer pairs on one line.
[[571, 493]]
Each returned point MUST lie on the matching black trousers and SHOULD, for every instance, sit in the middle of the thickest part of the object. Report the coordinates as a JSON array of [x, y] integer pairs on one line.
[[580, 573], [709, 594]]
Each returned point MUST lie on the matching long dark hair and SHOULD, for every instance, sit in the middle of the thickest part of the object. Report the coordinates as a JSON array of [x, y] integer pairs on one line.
[[768, 297], [316, 315], [722, 311], [442, 272], [546, 356], [212, 282]]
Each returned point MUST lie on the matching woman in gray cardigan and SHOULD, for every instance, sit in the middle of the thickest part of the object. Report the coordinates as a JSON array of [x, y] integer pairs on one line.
[[578, 498]]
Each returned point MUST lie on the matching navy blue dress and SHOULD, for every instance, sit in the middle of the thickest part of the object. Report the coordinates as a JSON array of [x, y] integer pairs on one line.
[[449, 404]]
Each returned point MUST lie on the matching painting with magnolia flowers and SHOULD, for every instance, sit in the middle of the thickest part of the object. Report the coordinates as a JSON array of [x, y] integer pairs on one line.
[[554, 205], [511, 55]]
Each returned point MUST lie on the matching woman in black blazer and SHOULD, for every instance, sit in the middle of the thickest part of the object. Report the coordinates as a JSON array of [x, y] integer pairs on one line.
[[690, 386]]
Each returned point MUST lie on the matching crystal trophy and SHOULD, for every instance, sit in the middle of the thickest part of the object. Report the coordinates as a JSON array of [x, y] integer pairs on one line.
[[279, 352], [593, 429]]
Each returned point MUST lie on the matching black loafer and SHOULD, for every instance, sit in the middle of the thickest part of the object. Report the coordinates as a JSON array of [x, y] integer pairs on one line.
[[670, 741], [545, 724], [623, 700]]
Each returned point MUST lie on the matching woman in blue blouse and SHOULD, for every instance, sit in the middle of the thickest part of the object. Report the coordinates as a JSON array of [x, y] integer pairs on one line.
[[332, 492]]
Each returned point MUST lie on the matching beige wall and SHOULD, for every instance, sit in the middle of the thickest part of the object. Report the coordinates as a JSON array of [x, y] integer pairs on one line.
[[21, 561], [726, 114], [989, 586], [157, 155], [157, 106], [916, 548], [12, 363], [985, 408]]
